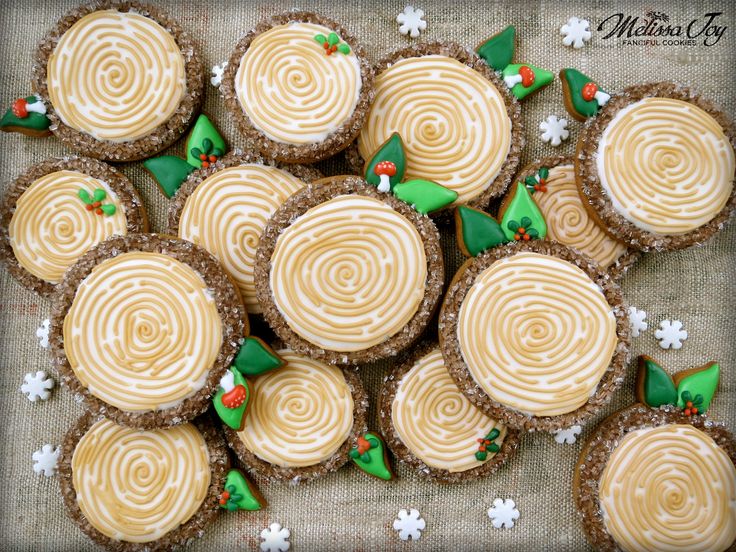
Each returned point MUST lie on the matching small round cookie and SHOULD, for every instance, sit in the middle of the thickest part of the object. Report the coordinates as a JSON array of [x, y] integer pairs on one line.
[[431, 426], [130, 489], [302, 420], [568, 222], [298, 86], [654, 480], [225, 207], [122, 80], [143, 327], [59, 208], [347, 274], [535, 334], [458, 121], [656, 167]]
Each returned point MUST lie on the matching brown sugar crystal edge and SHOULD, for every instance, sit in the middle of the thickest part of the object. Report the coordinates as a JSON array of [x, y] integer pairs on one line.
[[234, 323]]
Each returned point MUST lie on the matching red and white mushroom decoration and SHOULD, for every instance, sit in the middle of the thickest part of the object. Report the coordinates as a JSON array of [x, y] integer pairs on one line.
[[235, 395], [21, 107], [385, 170], [591, 92]]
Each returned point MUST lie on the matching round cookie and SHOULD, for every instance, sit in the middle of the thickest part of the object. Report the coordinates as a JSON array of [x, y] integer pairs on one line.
[[656, 167], [143, 327], [458, 121], [132, 489], [568, 221], [431, 426], [225, 207], [347, 274], [121, 80], [302, 421], [535, 335], [658, 480], [46, 225], [298, 87]]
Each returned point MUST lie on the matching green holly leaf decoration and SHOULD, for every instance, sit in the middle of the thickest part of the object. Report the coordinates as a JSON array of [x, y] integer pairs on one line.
[[543, 173], [320, 38], [524, 78], [34, 124], [255, 358], [204, 139], [391, 150], [85, 197], [241, 494], [373, 460], [523, 208], [579, 100], [343, 48], [701, 382], [99, 194], [233, 417], [108, 208], [654, 386], [424, 195], [498, 51], [477, 231], [333, 39], [169, 171]]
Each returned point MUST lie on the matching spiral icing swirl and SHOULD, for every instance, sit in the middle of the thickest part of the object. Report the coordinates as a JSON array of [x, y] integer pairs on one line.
[[666, 165], [349, 273], [453, 122], [669, 488], [435, 421], [291, 90], [50, 227], [569, 223], [227, 213], [299, 415], [537, 334], [143, 331], [116, 76], [135, 485]]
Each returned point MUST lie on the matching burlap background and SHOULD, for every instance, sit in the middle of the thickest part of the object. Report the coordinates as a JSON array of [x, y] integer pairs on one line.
[[348, 510]]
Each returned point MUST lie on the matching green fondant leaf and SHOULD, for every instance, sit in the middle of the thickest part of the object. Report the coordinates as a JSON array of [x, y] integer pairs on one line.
[[242, 496], [478, 230], [392, 150], [493, 447], [532, 233], [573, 82], [544, 172], [498, 51], [526, 222], [424, 195], [343, 48], [217, 152], [203, 133], [513, 225], [703, 383], [376, 464], [196, 152], [530, 181], [207, 146], [108, 208], [169, 171], [657, 387], [255, 358], [233, 417], [481, 456], [85, 197], [494, 434], [320, 38], [333, 39], [365, 457], [523, 206], [542, 78], [99, 194]]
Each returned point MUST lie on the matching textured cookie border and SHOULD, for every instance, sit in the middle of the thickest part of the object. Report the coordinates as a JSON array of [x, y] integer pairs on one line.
[[135, 211], [604, 440], [272, 472], [450, 345], [627, 259], [339, 139], [315, 194], [192, 528], [599, 204], [456, 51], [159, 138], [404, 454], [233, 316]]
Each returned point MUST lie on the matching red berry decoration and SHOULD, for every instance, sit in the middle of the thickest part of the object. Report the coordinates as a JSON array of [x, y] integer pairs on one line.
[[202, 157], [213, 158], [235, 397], [527, 76], [588, 91], [20, 108], [205, 164]]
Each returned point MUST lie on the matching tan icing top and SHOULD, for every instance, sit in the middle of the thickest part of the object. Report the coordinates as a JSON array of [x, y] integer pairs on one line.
[[227, 213], [291, 90], [536, 333], [349, 273], [135, 485], [299, 415], [666, 165], [453, 122], [50, 227], [568, 221], [143, 331], [116, 76], [669, 488], [435, 421]]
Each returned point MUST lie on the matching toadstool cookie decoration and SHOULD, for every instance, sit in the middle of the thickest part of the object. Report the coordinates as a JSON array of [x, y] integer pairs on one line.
[[27, 116], [522, 79], [583, 96]]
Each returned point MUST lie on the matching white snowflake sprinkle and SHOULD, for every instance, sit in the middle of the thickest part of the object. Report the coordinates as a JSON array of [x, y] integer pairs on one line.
[[568, 436], [576, 32], [409, 524], [36, 386], [45, 460], [217, 72], [503, 513], [410, 21], [636, 320], [275, 538], [554, 130], [42, 333], [670, 334]]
